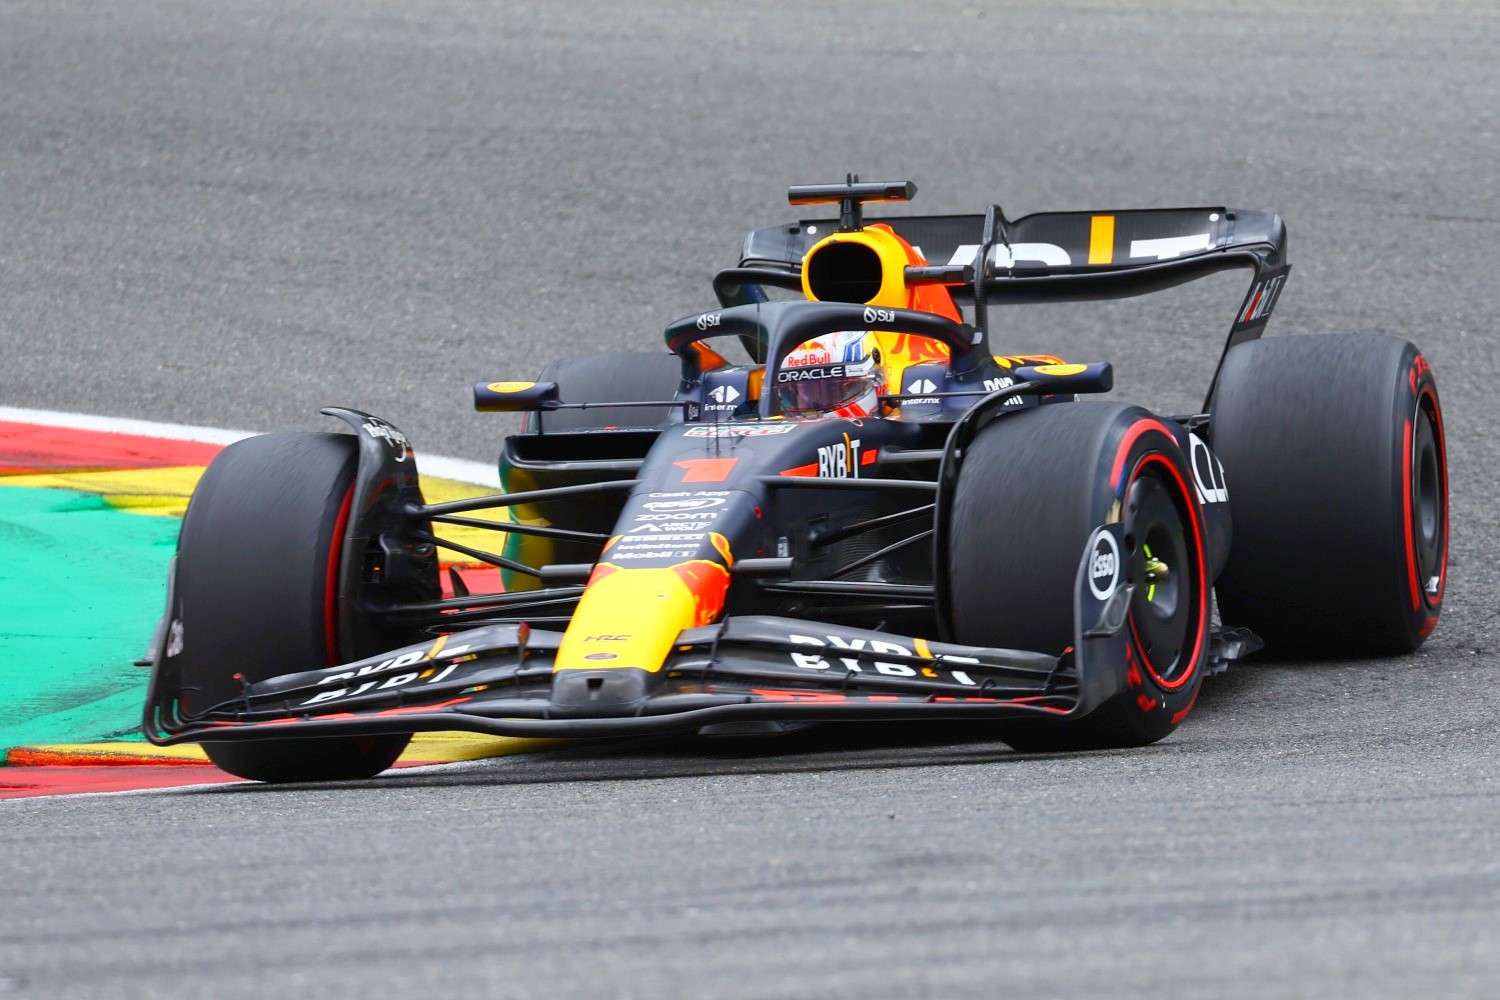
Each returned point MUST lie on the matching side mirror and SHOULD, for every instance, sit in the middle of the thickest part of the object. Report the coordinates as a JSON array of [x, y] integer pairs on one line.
[[515, 397], [1096, 377]]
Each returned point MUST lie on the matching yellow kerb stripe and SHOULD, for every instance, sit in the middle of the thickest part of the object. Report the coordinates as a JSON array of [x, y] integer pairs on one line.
[[1102, 239]]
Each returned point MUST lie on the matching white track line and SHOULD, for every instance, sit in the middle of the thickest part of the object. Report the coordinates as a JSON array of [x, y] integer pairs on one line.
[[462, 469]]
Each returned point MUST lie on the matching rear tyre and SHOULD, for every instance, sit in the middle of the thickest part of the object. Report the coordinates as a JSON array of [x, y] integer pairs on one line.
[[257, 578], [609, 378], [1334, 456], [1032, 487]]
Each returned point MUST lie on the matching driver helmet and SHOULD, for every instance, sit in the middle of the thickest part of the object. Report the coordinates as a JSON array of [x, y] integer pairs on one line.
[[835, 375]]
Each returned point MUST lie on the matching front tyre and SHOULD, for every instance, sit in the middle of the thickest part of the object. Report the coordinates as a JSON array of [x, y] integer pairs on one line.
[[257, 585], [1032, 487]]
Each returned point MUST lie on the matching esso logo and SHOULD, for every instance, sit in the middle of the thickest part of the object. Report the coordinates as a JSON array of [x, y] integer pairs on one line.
[[1104, 566], [708, 321], [699, 503], [873, 315]]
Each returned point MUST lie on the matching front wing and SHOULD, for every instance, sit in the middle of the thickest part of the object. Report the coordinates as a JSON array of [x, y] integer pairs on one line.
[[500, 679]]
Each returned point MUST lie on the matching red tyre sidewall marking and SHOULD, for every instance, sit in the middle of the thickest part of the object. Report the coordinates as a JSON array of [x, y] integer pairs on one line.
[[1183, 713], [1191, 503], [1117, 470], [1406, 517], [331, 588], [1426, 398], [1435, 412]]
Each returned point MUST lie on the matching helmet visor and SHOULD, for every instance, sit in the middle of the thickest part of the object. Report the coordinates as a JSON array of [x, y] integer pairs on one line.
[[820, 388]]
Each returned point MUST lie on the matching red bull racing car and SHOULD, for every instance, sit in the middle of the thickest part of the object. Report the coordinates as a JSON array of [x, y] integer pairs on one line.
[[873, 513]]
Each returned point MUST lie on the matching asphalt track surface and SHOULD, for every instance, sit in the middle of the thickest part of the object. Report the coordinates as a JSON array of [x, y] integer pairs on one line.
[[234, 213]]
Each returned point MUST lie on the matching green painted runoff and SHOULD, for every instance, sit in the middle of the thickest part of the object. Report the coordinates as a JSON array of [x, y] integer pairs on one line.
[[81, 588]]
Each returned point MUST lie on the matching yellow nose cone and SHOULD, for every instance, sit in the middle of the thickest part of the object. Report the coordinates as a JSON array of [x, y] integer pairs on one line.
[[631, 617]]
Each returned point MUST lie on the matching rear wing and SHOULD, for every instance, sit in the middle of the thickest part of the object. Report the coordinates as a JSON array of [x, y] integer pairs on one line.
[[1074, 256]]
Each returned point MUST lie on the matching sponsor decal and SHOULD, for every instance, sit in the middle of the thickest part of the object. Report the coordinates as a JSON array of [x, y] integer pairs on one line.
[[686, 515], [724, 394], [922, 386], [668, 550], [375, 427], [873, 315], [816, 374], [708, 321], [737, 430], [691, 503], [865, 650], [1169, 246], [676, 537], [650, 543], [810, 358], [1208, 472], [705, 470], [1049, 254], [674, 526], [1052, 255], [174, 638], [1104, 565], [1060, 369], [509, 386], [689, 493], [601, 656], [816, 661], [672, 554], [839, 461], [606, 638], [352, 686], [1003, 382], [1262, 299]]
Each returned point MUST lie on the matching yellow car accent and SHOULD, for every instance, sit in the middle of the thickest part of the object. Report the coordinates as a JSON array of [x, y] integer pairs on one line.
[[1102, 239], [891, 251], [631, 617]]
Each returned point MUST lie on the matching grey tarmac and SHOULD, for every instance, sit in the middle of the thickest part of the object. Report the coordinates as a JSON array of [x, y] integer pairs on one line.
[[235, 213]]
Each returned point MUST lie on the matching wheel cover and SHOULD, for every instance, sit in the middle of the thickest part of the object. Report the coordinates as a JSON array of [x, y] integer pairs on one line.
[[1428, 501], [1165, 607]]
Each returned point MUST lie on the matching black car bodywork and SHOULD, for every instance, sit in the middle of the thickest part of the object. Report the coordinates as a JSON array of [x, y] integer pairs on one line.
[[765, 569]]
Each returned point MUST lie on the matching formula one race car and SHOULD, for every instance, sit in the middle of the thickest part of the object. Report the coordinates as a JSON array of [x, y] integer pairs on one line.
[[876, 518]]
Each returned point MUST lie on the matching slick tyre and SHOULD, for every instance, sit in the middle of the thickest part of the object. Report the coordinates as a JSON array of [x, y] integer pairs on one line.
[[1334, 456], [609, 378], [257, 578], [1032, 487]]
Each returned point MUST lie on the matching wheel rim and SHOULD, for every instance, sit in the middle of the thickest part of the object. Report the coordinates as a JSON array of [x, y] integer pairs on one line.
[[1428, 503], [1162, 564]]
